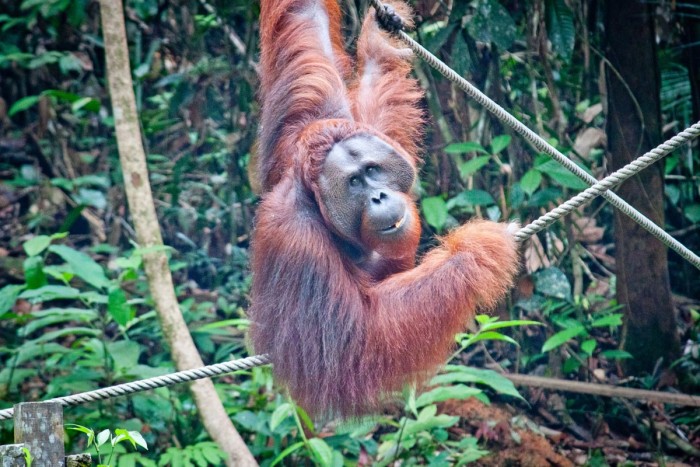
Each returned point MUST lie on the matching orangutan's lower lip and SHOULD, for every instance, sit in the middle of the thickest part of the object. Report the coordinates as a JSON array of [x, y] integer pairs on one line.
[[395, 226]]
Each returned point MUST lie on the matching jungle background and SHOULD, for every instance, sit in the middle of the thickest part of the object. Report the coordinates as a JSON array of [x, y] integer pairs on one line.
[[603, 82]]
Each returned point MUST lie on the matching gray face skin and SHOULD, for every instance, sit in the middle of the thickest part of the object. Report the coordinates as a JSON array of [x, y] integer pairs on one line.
[[363, 187]]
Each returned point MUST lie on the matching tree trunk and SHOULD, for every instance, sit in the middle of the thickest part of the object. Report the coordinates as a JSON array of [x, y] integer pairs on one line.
[[691, 39], [634, 127], [143, 213]]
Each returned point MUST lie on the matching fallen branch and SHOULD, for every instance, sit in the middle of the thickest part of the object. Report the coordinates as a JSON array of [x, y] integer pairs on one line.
[[604, 390]]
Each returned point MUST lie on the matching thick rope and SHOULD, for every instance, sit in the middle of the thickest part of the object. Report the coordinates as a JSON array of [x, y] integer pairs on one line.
[[539, 143], [608, 182], [156, 382]]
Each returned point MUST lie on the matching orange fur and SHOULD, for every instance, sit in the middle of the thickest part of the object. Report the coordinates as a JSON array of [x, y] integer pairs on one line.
[[343, 338]]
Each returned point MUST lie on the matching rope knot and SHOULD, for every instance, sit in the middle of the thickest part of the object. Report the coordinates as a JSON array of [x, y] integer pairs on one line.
[[387, 18]]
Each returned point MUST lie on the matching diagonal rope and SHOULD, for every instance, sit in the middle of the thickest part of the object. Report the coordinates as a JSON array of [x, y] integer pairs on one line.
[[608, 182], [533, 138]]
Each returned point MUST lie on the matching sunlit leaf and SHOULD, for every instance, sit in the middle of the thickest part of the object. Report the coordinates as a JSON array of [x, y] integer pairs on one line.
[[563, 337], [610, 320], [322, 452], [443, 393], [23, 104]]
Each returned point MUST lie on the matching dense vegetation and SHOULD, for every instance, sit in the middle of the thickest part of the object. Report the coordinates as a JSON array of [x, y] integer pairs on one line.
[[76, 312]]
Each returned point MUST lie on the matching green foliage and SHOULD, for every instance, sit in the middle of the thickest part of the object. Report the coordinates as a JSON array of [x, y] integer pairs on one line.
[[73, 317], [28, 459], [99, 441], [574, 319]]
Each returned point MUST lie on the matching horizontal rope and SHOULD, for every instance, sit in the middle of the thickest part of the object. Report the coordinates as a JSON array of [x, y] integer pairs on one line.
[[540, 144], [156, 382], [260, 360]]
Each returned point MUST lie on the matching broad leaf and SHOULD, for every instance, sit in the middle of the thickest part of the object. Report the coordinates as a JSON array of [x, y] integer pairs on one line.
[[563, 337], [322, 452], [83, 266], [462, 148], [553, 282], [36, 245], [499, 143], [435, 212], [443, 393], [531, 181], [473, 165]]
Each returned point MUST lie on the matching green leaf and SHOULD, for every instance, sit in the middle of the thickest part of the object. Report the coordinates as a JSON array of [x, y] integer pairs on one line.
[[488, 336], [616, 354], [462, 148], [443, 393], [460, 56], [492, 23], [287, 452], [490, 326], [91, 180], [544, 197], [673, 193], [34, 272], [8, 297], [692, 212], [322, 452], [132, 436], [589, 346], [531, 181], [53, 316], [610, 320], [102, 437], [88, 103], [473, 165], [471, 198], [90, 433], [72, 332], [560, 28], [125, 354], [83, 266], [562, 175], [212, 452], [427, 420], [50, 292], [499, 143], [94, 198], [466, 374], [435, 212], [436, 39], [469, 451], [36, 245], [281, 413], [118, 307], [553, 283], [563, 337], [23, 104]]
